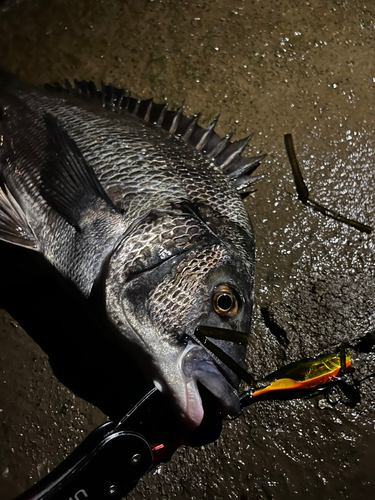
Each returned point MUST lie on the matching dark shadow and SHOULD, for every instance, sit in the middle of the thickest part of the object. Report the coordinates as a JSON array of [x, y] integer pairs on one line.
[[82, 349], [275, 329]]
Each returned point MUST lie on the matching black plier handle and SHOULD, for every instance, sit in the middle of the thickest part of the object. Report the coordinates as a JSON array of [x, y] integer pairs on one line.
[[107, 469], [109, 462]]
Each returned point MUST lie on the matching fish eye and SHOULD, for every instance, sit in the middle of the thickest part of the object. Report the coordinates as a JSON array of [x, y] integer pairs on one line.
[[225, 301]]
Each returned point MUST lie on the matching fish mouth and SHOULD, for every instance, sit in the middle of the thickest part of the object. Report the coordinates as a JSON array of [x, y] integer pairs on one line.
[[198, 366]]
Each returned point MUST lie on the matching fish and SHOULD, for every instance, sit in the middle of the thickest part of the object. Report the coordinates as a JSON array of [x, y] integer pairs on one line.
[[141, 210]]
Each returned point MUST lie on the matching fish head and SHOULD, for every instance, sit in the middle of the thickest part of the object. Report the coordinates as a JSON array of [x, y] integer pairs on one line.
[[157, 299]]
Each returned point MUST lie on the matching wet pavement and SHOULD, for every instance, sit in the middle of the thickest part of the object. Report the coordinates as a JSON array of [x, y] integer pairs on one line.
[[268, 67]]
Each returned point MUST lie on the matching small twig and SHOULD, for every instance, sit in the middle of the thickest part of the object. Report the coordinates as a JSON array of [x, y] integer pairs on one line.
[[303, 192]]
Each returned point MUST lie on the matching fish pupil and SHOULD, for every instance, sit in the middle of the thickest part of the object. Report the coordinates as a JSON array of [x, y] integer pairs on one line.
[[224, 302]]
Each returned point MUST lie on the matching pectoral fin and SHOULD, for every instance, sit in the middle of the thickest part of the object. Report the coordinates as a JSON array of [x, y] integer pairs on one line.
[[68, 183], [14, 227]]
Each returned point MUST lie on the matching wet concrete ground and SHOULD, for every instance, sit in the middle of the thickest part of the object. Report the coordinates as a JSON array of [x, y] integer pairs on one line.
[[270, 67]]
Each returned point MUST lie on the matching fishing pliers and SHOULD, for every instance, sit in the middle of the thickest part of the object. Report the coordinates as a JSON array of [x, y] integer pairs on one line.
[[111, 460]]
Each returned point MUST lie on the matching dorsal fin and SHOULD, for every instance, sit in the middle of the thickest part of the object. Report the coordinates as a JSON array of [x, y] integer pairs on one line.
[[224, 152]]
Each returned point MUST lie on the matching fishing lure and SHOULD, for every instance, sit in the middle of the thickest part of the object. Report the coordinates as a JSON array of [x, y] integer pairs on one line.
[[306, 374]]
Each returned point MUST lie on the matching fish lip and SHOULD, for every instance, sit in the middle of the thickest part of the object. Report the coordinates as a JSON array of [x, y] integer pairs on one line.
[[198, 366]]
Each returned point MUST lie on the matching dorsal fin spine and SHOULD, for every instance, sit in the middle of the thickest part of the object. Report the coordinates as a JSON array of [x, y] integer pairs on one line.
[[119, 103], [148, 112], [128, 97], [135, 111], [206, 134], [176, 119], [191, 128], [162, 115], [232, 151], [68, 86], [222, 144], [244, 165]]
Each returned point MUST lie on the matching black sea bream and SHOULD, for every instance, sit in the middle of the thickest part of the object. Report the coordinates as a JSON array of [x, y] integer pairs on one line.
[[142, 206]]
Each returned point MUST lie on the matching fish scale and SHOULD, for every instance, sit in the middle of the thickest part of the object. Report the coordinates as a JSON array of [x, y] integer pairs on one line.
[[164, 242]]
